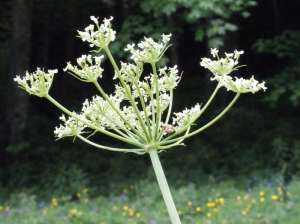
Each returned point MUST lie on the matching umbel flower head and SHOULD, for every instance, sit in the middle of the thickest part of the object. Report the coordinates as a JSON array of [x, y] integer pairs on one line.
[[37, 83], [72, 127], [149, 51], [139, 111], [240, 85], [101, 36], [89, 71], [222, 67]]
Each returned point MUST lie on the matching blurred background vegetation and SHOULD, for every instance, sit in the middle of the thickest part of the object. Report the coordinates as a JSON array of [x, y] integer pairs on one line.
[[259, 136]]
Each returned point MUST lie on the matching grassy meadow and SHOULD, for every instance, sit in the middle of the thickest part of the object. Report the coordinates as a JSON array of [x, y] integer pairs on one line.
[[142, 203]]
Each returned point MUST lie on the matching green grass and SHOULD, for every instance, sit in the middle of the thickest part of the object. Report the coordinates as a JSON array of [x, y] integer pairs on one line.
[[142, 204]]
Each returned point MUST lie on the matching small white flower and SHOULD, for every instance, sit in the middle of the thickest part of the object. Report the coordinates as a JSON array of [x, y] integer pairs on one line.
[[214, 52], [130, 47], [237, 54], [94, 19], [90, 28], [107, 22], [98, 59], [166, 38], [69, 67], [229, 55]]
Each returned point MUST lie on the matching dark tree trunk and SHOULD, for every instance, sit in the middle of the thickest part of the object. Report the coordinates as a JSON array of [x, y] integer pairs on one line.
[[17, 111]]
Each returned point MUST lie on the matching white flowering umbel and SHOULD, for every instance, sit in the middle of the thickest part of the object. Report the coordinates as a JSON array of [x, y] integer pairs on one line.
[[221, 68], [37, 83], [89, 71], [139, 112]]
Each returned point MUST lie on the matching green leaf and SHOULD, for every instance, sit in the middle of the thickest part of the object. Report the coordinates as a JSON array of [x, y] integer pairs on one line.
[[230, 27], [245, 14], [215, 42], [199, 34]]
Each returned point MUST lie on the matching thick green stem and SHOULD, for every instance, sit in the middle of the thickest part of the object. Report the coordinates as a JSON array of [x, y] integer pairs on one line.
[[164, 187]]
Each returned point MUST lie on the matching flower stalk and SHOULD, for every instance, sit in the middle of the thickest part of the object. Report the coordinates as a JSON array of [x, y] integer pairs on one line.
[[139, 112], [164, 187]]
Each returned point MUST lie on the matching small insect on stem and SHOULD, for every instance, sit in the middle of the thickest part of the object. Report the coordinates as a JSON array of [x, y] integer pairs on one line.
[[168, 128]]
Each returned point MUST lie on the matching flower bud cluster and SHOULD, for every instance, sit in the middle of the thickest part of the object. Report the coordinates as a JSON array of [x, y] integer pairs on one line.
[[222, 67], [168, 81], [37, 83], [71, 127], [89, 71], [149, 51], [101, 113], [240, 85], [131, 72], [102, 36], [186, 117]]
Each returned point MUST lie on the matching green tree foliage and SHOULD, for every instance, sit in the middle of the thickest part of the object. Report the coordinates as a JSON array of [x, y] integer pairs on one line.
[[209, 20], [283, 97], [286, 81]]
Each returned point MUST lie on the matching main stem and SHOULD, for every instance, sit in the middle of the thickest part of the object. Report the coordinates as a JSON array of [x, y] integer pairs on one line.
[[164, 187]]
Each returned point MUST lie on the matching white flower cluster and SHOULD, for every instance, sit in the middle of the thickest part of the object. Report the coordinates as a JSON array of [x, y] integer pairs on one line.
[[100, 37], [168, 81], [164, 102], [131, 72], [71, 127], [37, 83], [240, 85], [186, 117], [103, 113], [135, 112], [221, 68], [108, 114], [149, 51], [89, 72]]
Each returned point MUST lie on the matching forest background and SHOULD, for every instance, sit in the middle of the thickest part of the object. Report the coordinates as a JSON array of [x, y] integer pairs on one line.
[[258, 137]]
